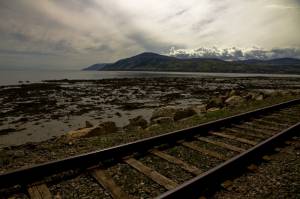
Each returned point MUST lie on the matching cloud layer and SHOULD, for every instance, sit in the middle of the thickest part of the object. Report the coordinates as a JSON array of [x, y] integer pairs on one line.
[[236, 53], [75, 33]]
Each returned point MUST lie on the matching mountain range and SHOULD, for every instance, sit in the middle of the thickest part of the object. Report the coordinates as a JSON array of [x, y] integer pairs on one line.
[[156, 62]]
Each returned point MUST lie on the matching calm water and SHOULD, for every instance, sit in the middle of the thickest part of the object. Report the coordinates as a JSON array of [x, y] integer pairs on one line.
[[13, 77]]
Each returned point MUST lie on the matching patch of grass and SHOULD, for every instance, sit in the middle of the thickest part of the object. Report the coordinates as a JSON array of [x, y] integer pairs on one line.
[[222, 113], [4, 159]]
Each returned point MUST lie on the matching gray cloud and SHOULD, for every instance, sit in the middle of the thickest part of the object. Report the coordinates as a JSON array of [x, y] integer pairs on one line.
[[83, 32], [236, 53]]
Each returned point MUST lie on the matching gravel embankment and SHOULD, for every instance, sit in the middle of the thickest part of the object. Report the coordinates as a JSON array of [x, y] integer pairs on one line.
[[277, 178]]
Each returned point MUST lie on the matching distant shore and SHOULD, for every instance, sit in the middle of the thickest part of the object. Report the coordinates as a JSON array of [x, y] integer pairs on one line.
[[18, 77]]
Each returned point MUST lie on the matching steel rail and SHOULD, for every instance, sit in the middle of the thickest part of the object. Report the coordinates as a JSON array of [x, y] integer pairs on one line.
[[37, 172], [212, 178]]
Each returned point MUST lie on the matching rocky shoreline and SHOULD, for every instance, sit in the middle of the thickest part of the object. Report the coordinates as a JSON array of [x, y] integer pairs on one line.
[[41, 111], [172, 103]]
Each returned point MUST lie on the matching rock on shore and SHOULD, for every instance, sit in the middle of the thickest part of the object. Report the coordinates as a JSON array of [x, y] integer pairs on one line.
[[101, 129]]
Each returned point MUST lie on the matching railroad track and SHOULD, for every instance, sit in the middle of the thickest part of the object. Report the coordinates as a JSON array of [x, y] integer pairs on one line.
[[180, 164]]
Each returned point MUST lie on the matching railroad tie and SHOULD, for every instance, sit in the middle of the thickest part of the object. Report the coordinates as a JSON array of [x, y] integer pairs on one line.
[[204, 151], [108, 183], [293, 117], [189, 168], [292, 114], [255, 129], [222, 144], [281, 119], [242, 140], [152, 174], [285, 115], [272, 123], [246, 133], [39, 191], [260, 126]]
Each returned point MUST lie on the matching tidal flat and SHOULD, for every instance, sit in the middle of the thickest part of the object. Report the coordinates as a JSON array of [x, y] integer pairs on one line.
[[41, 111], [55, 119]]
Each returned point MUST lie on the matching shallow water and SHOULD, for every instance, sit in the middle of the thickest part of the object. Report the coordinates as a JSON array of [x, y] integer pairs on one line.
[[12, 77], [45, 129], [32, 113]]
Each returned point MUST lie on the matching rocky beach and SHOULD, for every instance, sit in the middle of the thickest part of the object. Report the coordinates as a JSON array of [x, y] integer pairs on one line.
[[54, 119], [41, 111]]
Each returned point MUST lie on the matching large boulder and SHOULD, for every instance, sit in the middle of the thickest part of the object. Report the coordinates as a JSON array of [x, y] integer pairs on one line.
[[153, 127], [163, 112], [215, 102], [255, 96], [80, 133], [5, 158], [250, 96], [106, 128], [233, 93], [138, 121], [184, 113], [259, 97], [234, 100], [88, 124], [200, 108], [162, 120], [101, 129], [212, 109]]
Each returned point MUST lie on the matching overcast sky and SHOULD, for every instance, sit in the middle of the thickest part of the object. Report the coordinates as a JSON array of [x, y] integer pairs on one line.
[[76, 33]]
